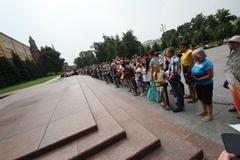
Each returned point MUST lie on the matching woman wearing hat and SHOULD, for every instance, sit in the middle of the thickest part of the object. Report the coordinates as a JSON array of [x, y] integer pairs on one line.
[[233, 70], [202, 72]]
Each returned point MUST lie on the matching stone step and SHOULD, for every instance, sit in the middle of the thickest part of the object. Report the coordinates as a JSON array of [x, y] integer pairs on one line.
[[139, 141], [108, 133], [65, 122], [175, 139]]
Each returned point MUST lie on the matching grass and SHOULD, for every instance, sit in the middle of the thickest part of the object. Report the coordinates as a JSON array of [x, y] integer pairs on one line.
[[27, 84]]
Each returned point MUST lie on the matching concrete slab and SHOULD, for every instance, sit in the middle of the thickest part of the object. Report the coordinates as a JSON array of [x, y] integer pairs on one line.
[[109, 132], [59, 109], [21, 144], [173, 136], [139, 140], [67, 127]]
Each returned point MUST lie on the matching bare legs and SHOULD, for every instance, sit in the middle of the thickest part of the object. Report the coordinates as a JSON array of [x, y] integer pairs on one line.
[[207, 112], [192, 92]]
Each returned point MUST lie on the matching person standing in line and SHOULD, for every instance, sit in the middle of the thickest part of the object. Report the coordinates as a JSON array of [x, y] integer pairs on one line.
[[233, 70], [187, 63], [152, 93], [130, 77], [202, 75], [146, 72], [173, 76]]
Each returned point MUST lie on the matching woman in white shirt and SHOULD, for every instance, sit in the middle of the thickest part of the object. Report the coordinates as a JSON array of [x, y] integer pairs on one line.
[[146, 72]]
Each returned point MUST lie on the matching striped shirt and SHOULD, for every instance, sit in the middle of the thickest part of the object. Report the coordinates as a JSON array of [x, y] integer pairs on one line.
[[174, 66]]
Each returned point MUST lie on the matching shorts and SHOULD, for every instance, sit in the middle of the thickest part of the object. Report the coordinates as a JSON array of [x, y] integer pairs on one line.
[[204, 93]]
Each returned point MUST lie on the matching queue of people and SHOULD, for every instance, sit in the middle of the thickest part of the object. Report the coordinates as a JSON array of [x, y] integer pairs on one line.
[[148, 74]]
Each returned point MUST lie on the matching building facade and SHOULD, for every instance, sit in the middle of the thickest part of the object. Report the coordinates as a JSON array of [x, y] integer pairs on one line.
[[8, 45]]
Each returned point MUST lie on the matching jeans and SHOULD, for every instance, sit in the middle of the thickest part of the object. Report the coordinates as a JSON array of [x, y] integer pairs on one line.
[[129, 84], [178, 89], [117, 80], [134, 85]]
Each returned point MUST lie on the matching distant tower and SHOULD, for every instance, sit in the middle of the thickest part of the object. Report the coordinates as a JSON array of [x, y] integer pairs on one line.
[[34, 49]]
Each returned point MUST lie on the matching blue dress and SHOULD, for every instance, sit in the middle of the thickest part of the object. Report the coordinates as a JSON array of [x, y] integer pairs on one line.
[[153, 91]]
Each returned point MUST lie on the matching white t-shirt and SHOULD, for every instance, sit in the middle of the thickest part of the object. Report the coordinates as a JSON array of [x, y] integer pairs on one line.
[[146, 75]]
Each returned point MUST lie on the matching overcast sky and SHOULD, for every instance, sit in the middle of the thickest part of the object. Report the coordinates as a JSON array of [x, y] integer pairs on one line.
[[73, 25]]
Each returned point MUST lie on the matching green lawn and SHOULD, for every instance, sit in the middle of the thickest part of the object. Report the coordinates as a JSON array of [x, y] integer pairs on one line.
[[27, 84]]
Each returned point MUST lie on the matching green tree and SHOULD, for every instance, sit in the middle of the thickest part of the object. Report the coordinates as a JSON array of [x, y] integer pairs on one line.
[[50, 61], [21, 66], [170, 38], [236, 29], [202, 29], [148, 48], [9, 74], [211, 23], [121, 48], [142, 49], [32, 69], [224, 16], [99, 50], [225, 26], [156, 46], [185, 32], [85, 58], [132, 44]]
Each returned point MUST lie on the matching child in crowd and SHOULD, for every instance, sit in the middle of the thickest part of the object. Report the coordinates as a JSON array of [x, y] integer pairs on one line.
[[139, 79], [159, 78]]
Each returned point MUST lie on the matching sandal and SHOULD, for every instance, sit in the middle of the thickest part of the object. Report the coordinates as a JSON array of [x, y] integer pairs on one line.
[[201, 113], [207, 118]]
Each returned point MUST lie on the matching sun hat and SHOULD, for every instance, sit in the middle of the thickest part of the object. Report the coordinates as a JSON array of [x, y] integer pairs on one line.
[[234, 39]]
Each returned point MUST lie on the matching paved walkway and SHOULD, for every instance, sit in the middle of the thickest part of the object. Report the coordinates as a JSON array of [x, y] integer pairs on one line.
[[39, 117]]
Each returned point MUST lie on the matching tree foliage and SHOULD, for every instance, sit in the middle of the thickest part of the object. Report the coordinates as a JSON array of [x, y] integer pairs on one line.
[[85, 58], [126, 46], [49, 60], [9, 74], [14, 70], [21, 67], [202, 29]]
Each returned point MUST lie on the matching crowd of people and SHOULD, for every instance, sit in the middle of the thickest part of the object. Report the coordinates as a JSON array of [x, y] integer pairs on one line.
[[149, 74]]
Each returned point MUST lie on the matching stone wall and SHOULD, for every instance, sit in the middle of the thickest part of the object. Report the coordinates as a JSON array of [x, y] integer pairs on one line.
[[9, 45]]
